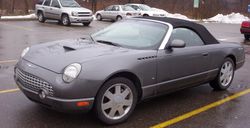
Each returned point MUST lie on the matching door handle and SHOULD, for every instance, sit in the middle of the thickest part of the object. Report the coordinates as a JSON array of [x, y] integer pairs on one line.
[[50, 8], [204, 54]]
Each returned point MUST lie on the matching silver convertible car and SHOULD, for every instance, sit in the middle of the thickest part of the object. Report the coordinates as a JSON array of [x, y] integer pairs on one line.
[[125, 63]]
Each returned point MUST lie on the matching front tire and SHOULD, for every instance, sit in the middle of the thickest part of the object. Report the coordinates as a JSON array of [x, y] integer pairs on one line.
[[65, 20], [225, 75], [99, 17], [118, 18], [41, 17], [247, 37], [116, 100]]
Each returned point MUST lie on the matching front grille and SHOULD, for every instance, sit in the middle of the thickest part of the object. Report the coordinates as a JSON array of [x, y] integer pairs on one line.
[[33, 83], [84, 13]]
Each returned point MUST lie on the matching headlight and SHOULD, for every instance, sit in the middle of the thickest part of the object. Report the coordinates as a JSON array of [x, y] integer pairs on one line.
[[71, 72], [91, 13], [74, 13], [26, 50]]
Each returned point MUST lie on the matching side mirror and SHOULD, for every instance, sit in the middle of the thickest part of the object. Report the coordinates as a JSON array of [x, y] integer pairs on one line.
[[177, 44]]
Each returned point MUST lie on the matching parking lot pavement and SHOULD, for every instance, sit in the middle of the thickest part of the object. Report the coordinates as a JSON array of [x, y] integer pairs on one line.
[[18, 111]]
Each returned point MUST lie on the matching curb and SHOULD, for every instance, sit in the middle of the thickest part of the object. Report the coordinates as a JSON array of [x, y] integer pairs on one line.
[[32, 19]]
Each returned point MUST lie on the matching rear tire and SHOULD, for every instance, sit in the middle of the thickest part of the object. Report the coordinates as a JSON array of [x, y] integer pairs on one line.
[[247, 37], [65, 20], [41, 17], [225, 75], [116, 100]]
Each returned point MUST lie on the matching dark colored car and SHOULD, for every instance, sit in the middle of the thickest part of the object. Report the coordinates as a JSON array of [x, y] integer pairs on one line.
[[125, 63], [245, 29]]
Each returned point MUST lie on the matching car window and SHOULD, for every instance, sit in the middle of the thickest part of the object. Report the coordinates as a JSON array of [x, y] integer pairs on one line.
[[145, 7], [69, 3], [109, 8], [47, 3], [134, 34], [127, 8], [115, 8], [190, 37], [55, 3], [135, 7]]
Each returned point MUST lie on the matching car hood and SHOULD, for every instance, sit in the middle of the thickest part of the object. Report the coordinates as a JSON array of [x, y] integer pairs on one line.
[[55, 56], [80, 9]]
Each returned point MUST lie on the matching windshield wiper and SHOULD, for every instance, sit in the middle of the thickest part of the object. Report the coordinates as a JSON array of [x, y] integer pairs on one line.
[[108, 42]]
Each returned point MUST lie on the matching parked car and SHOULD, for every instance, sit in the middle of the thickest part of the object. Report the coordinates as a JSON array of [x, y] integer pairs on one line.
[[129, 61], [116, 12], [145, 10], [245, 29], [65, 11]]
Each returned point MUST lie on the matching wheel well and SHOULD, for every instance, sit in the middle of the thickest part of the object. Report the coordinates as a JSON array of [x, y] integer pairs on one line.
[[39, 11], [145, 15], [131, 77], [233, 58], [118, 16], [64, 14]]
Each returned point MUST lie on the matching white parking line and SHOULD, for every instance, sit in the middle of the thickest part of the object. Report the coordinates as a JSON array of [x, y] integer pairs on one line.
[[7, 61]]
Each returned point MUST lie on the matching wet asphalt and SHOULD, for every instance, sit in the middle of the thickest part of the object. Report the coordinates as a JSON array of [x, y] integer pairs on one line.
[[16, 111]]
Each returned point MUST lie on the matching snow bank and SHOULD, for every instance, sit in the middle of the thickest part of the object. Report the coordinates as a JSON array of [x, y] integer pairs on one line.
[[175, 15], [31, 16], [233, 18]]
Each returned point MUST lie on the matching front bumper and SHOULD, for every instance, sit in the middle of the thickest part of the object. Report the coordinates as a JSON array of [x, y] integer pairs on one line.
[[34, 80], [84, 19], [63, 105]]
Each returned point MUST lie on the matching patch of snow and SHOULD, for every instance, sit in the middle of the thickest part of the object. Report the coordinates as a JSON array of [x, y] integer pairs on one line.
[[175, 15], [233, 18], [30, 16]]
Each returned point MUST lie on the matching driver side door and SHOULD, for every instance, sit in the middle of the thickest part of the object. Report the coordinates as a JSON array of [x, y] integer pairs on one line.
[[106, 14], [182, 67]]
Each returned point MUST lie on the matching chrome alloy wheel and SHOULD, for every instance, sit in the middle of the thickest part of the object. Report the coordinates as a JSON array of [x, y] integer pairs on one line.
[[226, 73], [65, 20], [117, 101], [99, 17], [40, 17]]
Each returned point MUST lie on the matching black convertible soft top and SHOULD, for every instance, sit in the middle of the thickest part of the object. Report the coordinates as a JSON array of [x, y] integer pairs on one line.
[[206, 36]]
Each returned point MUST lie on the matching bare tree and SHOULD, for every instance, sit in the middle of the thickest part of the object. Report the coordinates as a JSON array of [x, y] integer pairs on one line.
[[12, 6], [26, 7]]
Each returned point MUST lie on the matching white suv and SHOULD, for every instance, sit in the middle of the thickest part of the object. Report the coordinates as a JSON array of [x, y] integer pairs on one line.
[[65, 11]]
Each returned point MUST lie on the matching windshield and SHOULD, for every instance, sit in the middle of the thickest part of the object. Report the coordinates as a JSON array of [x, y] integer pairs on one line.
[[145, 7], [135, 34], [127, 8], [69, 3]]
